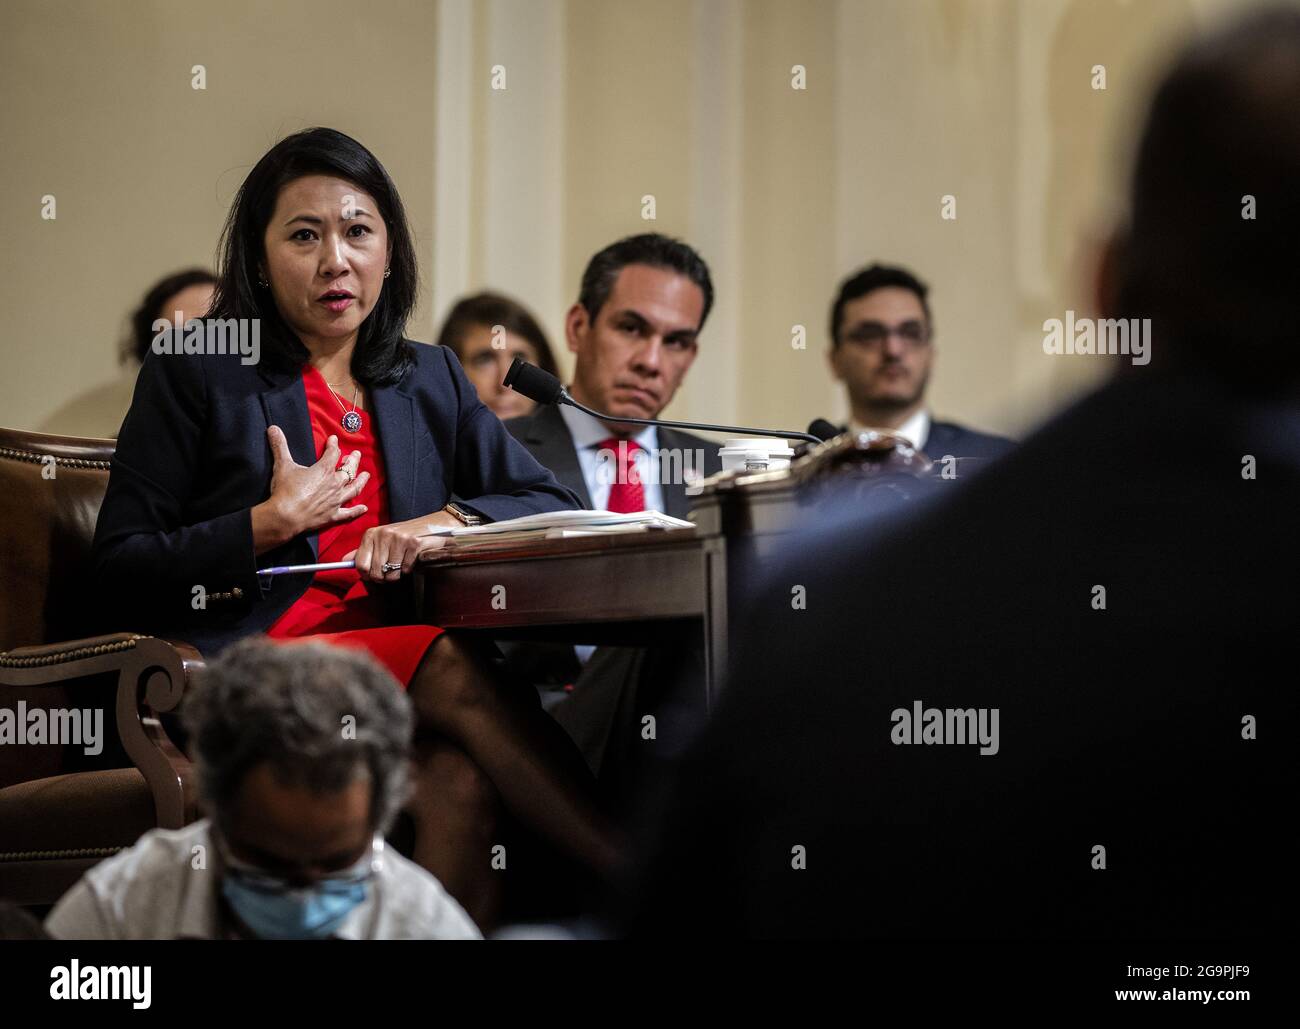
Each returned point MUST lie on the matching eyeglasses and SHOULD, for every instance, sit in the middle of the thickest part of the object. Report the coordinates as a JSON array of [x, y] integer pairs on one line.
[[363, 870], [872, 335]]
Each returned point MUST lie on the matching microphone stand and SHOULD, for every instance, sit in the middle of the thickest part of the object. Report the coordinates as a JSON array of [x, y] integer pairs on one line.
[[564, 398]]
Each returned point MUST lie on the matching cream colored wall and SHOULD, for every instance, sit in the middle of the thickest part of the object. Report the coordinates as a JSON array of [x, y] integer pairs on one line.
[[783, 191], [98, 110]]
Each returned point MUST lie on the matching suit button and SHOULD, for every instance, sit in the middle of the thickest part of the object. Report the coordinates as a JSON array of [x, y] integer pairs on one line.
[[237, 593]]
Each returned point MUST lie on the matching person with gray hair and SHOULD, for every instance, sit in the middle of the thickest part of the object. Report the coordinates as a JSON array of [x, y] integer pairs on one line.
[[302, 753]]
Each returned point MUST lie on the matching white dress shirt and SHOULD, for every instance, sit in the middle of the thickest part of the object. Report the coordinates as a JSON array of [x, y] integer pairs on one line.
[[588, 433], [152, 891], [916, 430]]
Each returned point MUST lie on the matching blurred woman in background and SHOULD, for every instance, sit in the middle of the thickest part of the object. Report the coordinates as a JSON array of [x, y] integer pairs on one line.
[[98, 412], [187, 293], [487, 331]]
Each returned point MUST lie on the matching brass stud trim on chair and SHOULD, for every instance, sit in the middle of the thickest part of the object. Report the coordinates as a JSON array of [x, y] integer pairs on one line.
[[51, 855], [70, 462], [74, 654]]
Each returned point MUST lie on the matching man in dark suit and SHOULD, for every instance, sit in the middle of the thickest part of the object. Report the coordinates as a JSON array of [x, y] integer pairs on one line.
[[882, 349], [634, 330], [548, 438], [1039, 708]]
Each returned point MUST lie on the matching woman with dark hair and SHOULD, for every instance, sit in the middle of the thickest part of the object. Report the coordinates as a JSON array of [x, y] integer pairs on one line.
[[343, 442], [176, 297], [487, 331]]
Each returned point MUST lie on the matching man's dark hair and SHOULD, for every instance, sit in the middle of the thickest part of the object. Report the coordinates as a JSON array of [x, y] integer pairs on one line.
[[494, 309], [150, 310], [868, 280], [1219, 286], [382, 356], [651, 249], [320, 715]]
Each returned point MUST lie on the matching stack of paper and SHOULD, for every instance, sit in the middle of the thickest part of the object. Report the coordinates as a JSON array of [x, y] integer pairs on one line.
[[560, 524]]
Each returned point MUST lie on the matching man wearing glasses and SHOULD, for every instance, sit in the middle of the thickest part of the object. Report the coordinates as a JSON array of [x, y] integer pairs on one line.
[[301, 751], [882, 350]]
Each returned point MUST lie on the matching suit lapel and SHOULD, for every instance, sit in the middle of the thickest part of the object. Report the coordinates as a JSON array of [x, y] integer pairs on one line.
[[940, 436], [549, 439], [676, 502]]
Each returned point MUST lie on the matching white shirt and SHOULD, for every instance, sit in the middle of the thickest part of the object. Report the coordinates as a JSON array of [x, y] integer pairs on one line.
[[152, 891], [916, 430], [588, 433]]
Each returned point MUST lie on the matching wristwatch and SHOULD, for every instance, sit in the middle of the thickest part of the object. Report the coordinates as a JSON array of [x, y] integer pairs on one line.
[[463, 516]]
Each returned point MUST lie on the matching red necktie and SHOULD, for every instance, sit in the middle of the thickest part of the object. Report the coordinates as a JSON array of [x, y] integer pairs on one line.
[[626, 493]]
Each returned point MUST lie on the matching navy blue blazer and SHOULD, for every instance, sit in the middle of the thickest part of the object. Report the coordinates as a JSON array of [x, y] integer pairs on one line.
[[193, 459], [950, 438]]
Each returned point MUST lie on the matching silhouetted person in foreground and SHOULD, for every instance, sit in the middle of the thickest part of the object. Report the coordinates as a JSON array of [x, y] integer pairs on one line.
[[1121, 591]]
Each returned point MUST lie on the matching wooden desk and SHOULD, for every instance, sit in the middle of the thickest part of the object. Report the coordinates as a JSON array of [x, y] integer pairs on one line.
[[633, 589], [659, 588]]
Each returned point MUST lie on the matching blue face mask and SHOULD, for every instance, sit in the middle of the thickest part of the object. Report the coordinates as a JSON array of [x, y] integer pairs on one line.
[[273, 910], [312, 913]]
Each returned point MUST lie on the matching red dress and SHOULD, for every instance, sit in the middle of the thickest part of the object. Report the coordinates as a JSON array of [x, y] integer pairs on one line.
[[337, 607]]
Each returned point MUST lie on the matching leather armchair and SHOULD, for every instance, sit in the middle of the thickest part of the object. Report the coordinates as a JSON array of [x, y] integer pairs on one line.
[[58, 817]]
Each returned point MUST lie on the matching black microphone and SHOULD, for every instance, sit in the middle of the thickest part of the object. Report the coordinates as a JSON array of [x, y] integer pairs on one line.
[[545, 388], [535, 383], [823, 429]]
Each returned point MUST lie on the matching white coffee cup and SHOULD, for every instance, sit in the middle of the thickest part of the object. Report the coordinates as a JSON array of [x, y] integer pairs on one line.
[[755, 455]]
